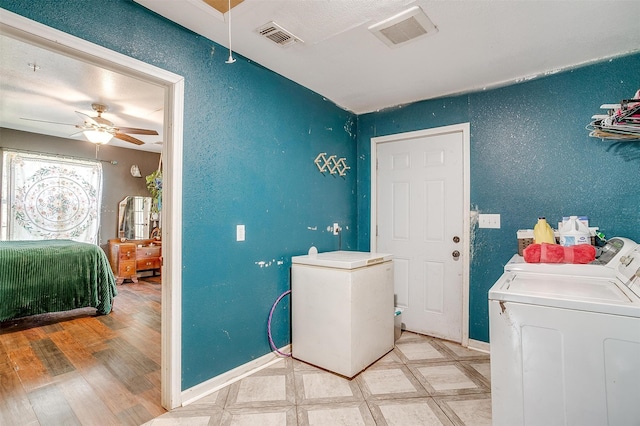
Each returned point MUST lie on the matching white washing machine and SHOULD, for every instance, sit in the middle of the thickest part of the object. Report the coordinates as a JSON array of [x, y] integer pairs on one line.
[[604, 266], [565, 349], [342, 309]]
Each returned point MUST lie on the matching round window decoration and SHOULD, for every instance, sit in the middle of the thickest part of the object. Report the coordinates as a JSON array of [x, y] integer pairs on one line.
[[56, 201]]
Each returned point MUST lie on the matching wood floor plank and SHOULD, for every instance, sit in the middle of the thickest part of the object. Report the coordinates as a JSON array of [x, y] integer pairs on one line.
[[145, 340], [52, 328], [112, 322], [13, 339], [100, 330], [134, 416], [74, 349], [51, 357], [86, 335], [5, 362], [85, 403], [32, 372], [147, 397], [108, 388], [130, 379], [52, 407], [15, 406], [134, 358]]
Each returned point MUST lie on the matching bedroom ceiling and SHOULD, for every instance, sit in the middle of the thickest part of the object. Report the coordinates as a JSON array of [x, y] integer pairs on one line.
[[478, 44], [38, 84]]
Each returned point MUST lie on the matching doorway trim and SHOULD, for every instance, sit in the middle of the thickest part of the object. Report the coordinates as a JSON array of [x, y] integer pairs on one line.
[[27, 30], [466, 232]]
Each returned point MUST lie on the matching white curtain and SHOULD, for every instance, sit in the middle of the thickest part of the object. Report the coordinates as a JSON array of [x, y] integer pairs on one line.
[[48, 197]]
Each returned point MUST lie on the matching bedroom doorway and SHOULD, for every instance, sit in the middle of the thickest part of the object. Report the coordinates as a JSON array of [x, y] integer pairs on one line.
[[17, 27]]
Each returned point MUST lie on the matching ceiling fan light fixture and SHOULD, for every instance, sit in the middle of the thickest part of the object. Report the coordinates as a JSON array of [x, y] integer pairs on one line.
[[99, 137]]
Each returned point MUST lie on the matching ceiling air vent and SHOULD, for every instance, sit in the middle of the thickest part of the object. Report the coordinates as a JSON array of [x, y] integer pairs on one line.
[[277, 34], [404, 27]]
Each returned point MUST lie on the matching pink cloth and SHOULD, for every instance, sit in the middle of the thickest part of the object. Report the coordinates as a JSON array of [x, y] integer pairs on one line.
[[553, 253]]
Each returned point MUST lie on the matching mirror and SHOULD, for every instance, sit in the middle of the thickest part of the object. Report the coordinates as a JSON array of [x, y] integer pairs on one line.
[[135, 221]]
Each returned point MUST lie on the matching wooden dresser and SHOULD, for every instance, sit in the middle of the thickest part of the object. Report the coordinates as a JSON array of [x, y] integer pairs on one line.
[[129, 257]]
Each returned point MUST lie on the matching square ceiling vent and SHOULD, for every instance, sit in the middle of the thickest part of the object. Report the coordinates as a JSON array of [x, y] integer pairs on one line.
[[277, 34], [404, 27]]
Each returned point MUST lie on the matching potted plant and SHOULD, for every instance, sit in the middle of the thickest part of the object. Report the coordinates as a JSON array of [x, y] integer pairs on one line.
[[154, 185]]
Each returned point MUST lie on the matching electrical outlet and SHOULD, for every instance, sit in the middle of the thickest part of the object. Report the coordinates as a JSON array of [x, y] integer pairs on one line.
[[489, 221]]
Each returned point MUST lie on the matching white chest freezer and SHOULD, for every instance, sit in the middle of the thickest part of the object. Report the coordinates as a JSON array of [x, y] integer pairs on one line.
[[342, 309]]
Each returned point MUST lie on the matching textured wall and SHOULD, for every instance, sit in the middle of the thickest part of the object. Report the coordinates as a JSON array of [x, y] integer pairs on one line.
[[250, 138], [530, 156]]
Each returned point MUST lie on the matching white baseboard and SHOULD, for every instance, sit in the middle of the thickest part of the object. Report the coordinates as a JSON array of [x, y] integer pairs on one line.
[[478, 345], [216, 383]]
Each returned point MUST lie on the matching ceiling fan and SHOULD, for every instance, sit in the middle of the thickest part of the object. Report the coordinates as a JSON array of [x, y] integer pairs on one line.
[[99, 130]]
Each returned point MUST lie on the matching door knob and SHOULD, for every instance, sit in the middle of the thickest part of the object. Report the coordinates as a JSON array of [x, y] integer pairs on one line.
[[456, 239], [455, 254]]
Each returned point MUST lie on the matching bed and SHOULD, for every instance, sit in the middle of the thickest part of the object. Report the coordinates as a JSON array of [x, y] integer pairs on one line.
[[38, 277]]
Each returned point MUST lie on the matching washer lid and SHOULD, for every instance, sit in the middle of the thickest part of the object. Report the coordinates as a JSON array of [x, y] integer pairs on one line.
[[342, 259], [593, 294]]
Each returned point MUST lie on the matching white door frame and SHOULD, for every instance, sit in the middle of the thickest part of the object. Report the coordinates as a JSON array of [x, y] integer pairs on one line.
[[466, 232], [35, 33]]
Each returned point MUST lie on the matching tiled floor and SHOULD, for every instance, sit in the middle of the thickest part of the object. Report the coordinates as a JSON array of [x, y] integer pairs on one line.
[[423, 381]]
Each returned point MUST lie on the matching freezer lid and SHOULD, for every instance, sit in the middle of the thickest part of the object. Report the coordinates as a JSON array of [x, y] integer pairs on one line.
[[595, 294], [342, 259]]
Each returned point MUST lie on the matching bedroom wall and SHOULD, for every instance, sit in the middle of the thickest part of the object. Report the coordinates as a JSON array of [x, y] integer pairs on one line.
[[250, 139], [117, 180], [530, 156]]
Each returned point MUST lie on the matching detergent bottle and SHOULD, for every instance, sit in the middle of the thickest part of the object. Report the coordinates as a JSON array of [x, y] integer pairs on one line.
[[542, 232], [574, 232]]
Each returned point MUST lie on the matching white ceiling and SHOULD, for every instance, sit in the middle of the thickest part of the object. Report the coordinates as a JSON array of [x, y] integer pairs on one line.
[[60, 86], [479, 43]]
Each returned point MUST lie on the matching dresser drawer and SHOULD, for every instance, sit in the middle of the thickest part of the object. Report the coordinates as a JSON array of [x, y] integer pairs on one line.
[[127, 252], [148, 263], [127, 268], [148, 252]]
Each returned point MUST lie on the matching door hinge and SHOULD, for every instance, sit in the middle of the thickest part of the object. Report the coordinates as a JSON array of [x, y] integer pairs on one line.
[[376, 230]]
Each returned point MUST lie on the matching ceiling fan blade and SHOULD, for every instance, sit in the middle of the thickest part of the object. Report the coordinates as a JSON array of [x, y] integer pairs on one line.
[[135, 131], [128, 138], [45, 121], [87, 118]]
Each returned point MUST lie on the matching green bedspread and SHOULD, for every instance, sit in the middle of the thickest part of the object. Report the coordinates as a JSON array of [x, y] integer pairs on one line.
[[53, 275]]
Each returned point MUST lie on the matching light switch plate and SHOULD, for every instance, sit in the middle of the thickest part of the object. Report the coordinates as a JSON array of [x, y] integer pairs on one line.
[[240, 233], [489, 221]]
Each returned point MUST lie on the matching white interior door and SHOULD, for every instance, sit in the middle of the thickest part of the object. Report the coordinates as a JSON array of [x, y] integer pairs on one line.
[[420, 191]]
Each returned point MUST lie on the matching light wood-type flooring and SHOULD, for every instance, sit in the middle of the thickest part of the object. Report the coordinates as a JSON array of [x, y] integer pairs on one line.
[[76, 368]]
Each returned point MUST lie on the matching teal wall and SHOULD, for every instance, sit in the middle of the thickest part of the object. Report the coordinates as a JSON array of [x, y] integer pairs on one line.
[[530, 156], [250, 138]]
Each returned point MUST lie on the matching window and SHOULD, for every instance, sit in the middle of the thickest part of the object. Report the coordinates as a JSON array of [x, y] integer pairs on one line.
[[49, 197]]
